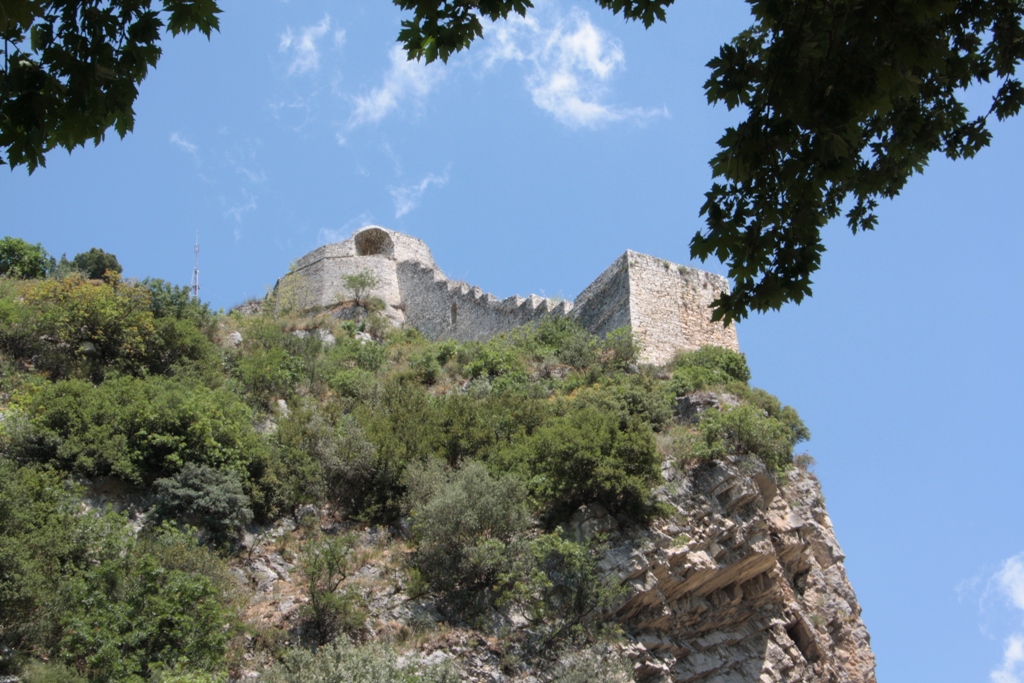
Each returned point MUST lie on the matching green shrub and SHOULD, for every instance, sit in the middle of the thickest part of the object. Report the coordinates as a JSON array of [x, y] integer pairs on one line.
[[325, 565], [360, 284], [135, 429], [364, 355], [744, 430], [178, 347], [732, 363], [90, 327], [557, 584], [619, 348], [353, 383], [205, 496], [18, 336], [131, 613], [772, 407], [265, 374], [466, 429], [583, 457], [43, 540], [403, 428], [639, 396], [425, 368], [173, 301], [565, 339], [709, 366], [95, 263], [321, 456], [50, 672], [80, 590], [343, 661], [465, 525], [21, 260], [498, 361]]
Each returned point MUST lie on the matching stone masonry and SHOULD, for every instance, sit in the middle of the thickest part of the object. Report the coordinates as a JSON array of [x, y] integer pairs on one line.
[[665, 304]]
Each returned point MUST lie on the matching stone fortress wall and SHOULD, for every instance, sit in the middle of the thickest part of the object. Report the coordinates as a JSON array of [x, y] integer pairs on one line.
[[665, 304]]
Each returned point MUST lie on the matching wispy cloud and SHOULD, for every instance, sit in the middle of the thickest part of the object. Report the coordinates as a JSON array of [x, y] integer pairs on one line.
[[184, 145], [1010, 582], [243, 160], [303, 48], [404, 81], [408, 197], [1001, 595], [239, 209], [571, 62]]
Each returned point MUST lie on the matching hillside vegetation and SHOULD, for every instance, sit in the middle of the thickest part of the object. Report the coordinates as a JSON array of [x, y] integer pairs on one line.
[[471, 456]]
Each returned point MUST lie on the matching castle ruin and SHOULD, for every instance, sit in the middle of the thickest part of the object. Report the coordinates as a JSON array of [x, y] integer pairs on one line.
[[667, 305]]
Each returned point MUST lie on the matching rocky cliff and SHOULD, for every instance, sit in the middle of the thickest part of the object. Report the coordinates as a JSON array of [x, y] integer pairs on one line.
[[743, 583]]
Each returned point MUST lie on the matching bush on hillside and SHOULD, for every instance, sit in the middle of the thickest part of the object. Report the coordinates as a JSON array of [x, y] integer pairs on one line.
[[331, 609], [90, 327], [21, 260], [207, 497], [132, 614], [584, 456], [82, 591], [136, 429], [708, 366], [344, 661], [745, 430], [95, 263], [167, 300], [465, 525]]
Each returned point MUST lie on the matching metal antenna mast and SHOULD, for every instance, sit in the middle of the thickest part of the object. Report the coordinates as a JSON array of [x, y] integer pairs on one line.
[[195, 271]]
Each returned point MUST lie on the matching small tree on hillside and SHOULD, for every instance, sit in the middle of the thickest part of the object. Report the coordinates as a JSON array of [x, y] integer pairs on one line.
[[361, 284], [95, 262]]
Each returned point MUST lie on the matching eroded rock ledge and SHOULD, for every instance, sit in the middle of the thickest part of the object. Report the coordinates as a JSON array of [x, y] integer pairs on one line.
[[744, 584]]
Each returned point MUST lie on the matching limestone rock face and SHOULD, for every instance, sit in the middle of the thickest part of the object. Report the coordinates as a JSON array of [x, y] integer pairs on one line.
[[744, 584]]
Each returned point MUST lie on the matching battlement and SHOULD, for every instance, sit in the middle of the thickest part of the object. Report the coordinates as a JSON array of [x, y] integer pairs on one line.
[[667, 305]]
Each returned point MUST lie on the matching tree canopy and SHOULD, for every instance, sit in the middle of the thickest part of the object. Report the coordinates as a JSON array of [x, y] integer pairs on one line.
[[845, 100], [71, 68], [21, 260], [96, 262]]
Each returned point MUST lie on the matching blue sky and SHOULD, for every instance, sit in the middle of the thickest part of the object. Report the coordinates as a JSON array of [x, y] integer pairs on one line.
[[532, 161]]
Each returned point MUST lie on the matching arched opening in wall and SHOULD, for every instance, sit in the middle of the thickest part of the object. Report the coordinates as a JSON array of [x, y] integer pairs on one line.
[[455, 313], [374, 242]]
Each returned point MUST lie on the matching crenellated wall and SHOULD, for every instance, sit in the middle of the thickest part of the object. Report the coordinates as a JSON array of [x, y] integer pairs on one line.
[[666, 305]]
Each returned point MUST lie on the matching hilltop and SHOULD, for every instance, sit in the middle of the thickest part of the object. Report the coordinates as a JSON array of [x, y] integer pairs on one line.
[[287, 496]]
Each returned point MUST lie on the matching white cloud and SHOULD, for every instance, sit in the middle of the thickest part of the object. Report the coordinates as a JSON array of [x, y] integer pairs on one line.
[[1000, 599], [404, 80], [181, 143], [572, 64], [1013, 658], [303, 48], [408, 197], [1010, 582]]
